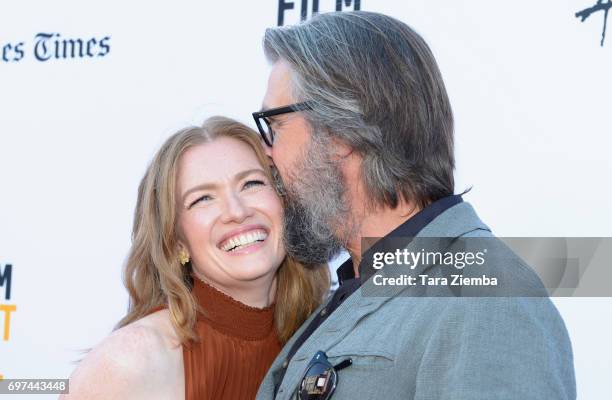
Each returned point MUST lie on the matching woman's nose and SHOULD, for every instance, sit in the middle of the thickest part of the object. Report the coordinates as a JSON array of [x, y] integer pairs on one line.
[[235, 210]]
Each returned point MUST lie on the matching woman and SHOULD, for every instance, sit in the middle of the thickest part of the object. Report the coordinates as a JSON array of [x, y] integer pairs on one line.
[[212, 295]]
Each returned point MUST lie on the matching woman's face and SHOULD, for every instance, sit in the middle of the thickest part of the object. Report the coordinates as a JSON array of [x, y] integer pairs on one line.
[[230, 216]]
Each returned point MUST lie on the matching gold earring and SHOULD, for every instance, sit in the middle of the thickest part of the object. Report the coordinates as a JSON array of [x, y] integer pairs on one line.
[[183, 257]]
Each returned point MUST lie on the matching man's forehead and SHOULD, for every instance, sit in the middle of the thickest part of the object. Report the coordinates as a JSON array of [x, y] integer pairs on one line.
[[279, 86]]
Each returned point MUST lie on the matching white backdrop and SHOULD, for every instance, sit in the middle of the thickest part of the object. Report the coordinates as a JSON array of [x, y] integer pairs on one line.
[[529, 84]]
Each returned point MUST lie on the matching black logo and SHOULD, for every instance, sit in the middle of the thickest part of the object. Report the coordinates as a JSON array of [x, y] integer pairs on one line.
[[600, 6], [6, 274], [52, 45], [48, 46], [285, 5]]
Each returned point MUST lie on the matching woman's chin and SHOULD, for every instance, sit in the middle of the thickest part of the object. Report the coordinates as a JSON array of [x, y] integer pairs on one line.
[[253, 261], [254, 272]]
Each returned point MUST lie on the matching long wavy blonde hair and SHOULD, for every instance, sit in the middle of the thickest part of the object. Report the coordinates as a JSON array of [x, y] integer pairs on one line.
[[154, 276]]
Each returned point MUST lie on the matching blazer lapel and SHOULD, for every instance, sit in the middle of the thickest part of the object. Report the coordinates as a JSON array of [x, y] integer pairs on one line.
[[338, 325]]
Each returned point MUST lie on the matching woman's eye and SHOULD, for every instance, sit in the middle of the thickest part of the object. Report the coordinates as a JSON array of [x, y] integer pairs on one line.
[[199, 199], [253, 183]]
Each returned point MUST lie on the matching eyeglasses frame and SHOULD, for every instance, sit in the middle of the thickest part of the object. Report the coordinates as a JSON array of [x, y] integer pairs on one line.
[[265, 114]]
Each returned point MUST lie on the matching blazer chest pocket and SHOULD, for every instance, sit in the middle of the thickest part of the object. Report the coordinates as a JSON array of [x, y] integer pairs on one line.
[[362, 359]]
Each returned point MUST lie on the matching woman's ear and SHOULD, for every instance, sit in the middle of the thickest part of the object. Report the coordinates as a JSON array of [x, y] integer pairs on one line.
[[183, 253]]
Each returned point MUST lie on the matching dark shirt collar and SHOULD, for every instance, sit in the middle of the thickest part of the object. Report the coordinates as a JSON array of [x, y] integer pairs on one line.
[[410, 228]]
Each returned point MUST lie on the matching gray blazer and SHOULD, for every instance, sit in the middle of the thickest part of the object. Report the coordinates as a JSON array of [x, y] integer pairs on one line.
[[407, 347]]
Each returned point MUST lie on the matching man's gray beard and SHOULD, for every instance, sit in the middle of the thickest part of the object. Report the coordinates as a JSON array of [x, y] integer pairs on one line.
[[315, 203]]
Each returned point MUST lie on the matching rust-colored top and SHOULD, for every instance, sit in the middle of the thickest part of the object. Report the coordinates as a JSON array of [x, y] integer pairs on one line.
[[237, 345]]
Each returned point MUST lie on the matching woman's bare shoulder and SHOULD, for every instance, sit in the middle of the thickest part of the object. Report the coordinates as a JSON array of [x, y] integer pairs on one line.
[[141, 359], [160, 323]]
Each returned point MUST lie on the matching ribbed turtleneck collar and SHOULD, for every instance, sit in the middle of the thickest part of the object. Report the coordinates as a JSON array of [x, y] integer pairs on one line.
[[230, 316]]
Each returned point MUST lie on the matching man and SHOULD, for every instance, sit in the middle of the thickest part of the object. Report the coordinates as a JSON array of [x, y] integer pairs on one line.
[[360, 128]]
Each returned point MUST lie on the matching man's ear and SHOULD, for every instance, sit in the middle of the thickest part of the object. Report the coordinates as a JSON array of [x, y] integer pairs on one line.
[[341, 150]]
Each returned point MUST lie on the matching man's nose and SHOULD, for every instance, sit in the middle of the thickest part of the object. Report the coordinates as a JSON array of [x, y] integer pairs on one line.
[[235, 210]]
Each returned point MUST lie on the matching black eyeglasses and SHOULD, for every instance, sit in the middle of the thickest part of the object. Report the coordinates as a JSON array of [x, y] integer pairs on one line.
[[265, 130], [321, 378]]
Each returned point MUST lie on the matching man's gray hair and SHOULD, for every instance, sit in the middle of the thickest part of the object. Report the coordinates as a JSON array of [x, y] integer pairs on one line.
[[375, 85]]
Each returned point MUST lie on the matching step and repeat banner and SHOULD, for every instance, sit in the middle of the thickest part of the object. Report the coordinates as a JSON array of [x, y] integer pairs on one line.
[[90, 90]]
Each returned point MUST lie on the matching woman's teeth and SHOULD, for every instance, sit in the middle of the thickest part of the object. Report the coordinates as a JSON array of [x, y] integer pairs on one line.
[[243, 240]]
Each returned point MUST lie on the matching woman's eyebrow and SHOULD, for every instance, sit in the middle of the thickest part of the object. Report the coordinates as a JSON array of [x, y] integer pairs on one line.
[[203, 186], [242, 174]]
